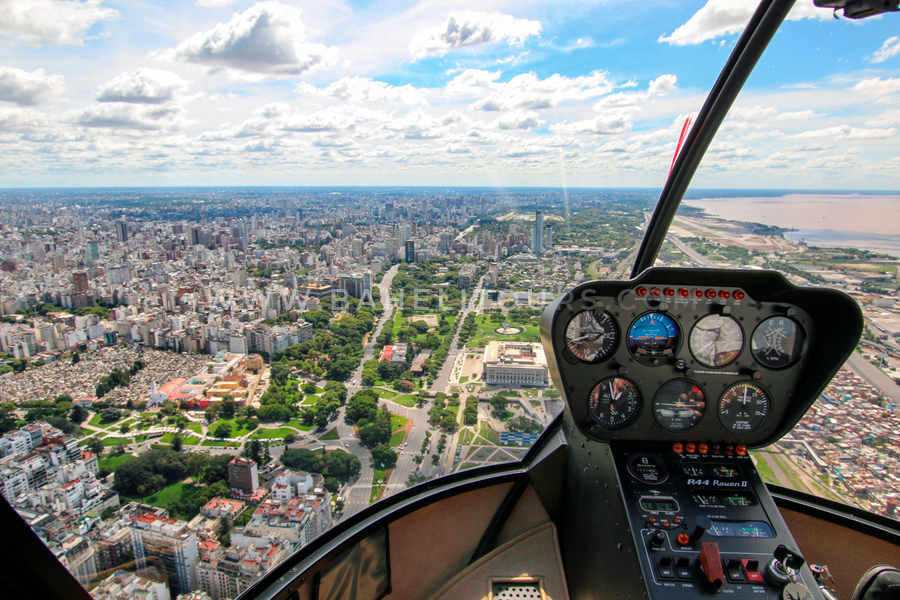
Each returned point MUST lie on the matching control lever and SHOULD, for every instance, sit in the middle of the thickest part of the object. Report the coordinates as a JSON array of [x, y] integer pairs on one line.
[[783, 568], [711, 563]]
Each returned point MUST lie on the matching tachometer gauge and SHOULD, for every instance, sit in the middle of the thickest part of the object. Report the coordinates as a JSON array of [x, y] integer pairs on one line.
[[591, 337], [744, 407], [679, 405], [716, 340], [654, 334], [777, 342], [614, 403]]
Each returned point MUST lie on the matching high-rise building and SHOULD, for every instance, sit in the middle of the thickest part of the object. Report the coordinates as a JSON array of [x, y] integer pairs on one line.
[[537, 240], [80, 281], [121, 231], [410, 251], [168, 545], [91, 253], [548, 239], [242, 475]]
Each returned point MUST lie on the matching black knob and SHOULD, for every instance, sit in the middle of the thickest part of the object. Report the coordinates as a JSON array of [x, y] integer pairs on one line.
[[703, 523], [789, 557], [658, 539]]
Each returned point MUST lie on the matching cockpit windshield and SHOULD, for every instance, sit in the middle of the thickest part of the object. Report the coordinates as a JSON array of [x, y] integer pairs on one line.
[[265, 265]]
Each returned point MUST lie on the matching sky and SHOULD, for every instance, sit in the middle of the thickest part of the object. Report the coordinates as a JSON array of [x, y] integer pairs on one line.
[[556, 93]]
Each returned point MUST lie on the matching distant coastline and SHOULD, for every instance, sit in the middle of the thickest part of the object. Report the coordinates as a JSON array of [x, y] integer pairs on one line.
[[867, 221]]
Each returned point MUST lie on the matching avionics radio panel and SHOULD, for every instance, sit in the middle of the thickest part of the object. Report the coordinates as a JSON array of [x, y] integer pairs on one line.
[[703, 523]]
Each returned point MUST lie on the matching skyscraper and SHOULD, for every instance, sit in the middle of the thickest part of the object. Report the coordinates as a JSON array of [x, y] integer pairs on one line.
[[410, 251], [80, 281], [537, 240], [121, 231], [91, 253], [169, 545]]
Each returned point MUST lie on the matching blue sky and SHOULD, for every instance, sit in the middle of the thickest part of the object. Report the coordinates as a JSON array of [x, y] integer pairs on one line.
[[526, 93]]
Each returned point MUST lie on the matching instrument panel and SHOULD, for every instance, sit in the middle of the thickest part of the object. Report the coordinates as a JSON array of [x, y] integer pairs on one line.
[[681, 354]]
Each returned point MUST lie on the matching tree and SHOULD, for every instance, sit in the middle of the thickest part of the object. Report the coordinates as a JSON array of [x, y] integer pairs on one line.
[[337, 388], [363, 405], [376, 432], [95, 445], [369, 376], [210, 414], [76, 358], [223, 430], [289, 439], [228, 407], [108, 415], [499, 402], [384, 457], [404, 385], [77, 415], [177, 443]]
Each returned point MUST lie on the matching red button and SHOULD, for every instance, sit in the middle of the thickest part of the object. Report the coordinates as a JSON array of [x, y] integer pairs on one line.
[[683, 539], [665, 523], [652, 519], [677, 520]]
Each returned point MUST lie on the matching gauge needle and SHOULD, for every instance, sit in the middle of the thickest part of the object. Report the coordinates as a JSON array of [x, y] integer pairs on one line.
[[612, 392]]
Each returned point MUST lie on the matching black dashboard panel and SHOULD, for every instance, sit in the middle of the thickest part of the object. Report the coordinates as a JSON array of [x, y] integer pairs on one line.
[[696, 355]]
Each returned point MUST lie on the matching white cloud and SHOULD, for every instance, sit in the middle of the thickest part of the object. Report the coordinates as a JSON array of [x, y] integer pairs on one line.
[[847, 132], [661, 86], [876, 86], [519, 120], [268, 40], [144, 86], [363, 89], [472, 28], [606, 124], [889, 49], [43, 22], [20, 120], [27, 89], [526, 91], [119, 115], [718, 18]]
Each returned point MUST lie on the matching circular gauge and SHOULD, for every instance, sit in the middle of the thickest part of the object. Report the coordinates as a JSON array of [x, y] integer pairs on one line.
[[591, 336], [653, 334], [777, 342], [648, 468], [744, 407], [614, 403], [716, 340], [679, 405]]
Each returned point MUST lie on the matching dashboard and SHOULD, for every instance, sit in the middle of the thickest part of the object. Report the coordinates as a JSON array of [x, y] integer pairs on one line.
[[669, 379], [696, 355]]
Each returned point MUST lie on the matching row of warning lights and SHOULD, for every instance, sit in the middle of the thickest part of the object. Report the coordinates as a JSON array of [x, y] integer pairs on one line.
[[686, 293], [704, 448]]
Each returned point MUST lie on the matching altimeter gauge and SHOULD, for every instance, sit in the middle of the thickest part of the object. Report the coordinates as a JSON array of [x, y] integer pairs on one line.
[[744, 407], [716, 340], [614, 403], [592, 335], [777, 342]]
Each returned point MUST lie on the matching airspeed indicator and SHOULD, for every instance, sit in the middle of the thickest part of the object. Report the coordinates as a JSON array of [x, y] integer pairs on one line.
[[744, 407]]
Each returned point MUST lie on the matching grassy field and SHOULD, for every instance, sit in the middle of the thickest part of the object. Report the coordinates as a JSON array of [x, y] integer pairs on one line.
[[397, 438], [298, 425], [273, 434], [96, 421], [115, 441], [397, 422], [235, 430], [406, 400], [226, 444], [383, 393], [331, 434], [171, 493], [111, 462], [195, 427]]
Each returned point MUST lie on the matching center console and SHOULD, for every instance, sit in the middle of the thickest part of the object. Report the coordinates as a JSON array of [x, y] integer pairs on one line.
[[703, 523]]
